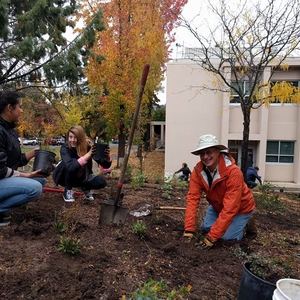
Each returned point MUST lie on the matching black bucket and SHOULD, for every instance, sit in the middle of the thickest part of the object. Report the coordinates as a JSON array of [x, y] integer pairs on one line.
[[44, 160], [253, 287], [100, 154]]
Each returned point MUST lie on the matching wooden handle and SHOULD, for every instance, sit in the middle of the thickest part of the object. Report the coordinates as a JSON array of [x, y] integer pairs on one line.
[[170, 208], [131, 133]]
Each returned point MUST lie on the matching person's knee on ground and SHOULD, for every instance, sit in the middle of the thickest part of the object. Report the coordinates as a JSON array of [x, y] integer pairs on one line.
[[28, 190], [251, 184]]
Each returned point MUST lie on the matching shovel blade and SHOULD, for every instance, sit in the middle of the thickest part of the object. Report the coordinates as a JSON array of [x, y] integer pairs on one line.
[[111, 214]]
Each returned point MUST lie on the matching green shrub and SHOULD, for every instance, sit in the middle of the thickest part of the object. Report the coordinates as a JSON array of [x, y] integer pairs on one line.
[[265, 267], [166, 190], [140, 229], [69, 245], [157, 290], [268, 202], [61, 227], [183, 184], [138, 180], [267, 187], [66, 219]]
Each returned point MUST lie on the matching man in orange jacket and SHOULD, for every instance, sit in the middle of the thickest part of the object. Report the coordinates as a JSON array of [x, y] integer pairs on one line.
[[231, 201]]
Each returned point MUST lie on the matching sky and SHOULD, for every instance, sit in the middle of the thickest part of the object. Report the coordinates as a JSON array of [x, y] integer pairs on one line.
[[183, 38]]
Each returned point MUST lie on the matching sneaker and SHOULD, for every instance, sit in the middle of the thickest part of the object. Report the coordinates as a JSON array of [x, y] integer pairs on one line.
[[89, 195], [3, 220], [68, 196]]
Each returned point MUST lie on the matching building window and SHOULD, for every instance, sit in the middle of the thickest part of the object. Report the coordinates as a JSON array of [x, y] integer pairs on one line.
[[280, 152], [242, 86]]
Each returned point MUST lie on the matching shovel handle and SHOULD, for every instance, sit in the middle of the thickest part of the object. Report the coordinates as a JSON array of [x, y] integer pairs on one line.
[[131, 133]]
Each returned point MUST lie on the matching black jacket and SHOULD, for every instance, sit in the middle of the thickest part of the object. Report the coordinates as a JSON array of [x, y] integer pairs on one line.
[[185, 171], [11, 155]]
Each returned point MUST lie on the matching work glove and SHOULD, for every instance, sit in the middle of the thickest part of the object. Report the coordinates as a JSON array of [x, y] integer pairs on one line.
[[188, 235], [206, 243]]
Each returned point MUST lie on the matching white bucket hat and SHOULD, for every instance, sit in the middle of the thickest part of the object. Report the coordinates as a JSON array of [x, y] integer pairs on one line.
[[207, 141]]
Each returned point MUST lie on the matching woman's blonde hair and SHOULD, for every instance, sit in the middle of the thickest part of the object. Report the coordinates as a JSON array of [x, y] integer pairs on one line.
[[82, 140]]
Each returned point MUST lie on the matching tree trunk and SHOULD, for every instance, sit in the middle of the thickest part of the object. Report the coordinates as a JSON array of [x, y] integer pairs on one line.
[[121, 149], [245, 143], [146, 138]]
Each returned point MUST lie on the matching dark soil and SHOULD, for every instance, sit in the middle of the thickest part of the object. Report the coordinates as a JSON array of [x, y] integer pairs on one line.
[[113, 261]]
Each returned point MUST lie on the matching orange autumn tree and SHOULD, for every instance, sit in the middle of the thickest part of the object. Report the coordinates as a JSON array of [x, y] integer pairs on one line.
[[137, 32], [39, 118]]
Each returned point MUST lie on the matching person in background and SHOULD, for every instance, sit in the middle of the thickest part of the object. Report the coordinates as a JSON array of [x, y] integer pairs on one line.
[[251, 176], [185, 172], [16, 188], [75, 167], [231, 202]]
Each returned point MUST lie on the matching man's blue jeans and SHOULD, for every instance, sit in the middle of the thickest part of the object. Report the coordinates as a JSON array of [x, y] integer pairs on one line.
[[251, 184], [17, 191], [234, 231]]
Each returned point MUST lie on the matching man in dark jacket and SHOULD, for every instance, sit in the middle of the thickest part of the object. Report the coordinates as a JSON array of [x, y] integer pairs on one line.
[[251, 176], [185, 172]]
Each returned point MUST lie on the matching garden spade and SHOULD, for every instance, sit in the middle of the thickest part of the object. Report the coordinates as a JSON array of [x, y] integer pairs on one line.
[[113, 212]]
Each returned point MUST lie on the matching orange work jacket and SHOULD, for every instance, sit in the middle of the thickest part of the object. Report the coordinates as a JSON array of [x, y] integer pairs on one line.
[[228, 195]]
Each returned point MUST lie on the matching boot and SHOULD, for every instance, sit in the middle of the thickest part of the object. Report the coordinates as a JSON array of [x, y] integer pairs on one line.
[[251, 229]]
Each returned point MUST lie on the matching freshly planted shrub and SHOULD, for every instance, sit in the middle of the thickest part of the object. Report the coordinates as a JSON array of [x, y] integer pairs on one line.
[[268, 201], [66, 219], [157, 290], [61, 227], [166, 188], [69, 245], [138, 180], [140, 229]]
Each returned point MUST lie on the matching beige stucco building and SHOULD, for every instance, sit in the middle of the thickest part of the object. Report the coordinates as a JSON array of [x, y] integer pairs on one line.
[[192, 111]]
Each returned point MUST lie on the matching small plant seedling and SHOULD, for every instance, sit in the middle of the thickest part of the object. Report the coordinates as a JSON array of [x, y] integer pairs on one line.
[[166, 188], [140, 229], [139, 180], [61, 227], [159, 290], [69, 245]]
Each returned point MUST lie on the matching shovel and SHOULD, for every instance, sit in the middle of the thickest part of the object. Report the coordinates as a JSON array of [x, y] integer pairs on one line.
[[113, 212]]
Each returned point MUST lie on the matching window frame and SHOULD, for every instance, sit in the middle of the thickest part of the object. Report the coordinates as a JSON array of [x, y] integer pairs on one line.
[[279, 154], [235, 97]]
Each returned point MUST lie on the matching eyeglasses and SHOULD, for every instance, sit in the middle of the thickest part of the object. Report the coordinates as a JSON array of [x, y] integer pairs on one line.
[[208, 152]]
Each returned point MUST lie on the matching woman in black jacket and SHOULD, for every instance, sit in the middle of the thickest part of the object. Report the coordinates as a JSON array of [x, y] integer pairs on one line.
[[75, 167], [16, 188]]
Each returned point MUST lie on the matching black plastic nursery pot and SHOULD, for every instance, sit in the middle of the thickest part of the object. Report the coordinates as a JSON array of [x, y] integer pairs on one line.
[[100, 154], [252, 287], [44, 160]]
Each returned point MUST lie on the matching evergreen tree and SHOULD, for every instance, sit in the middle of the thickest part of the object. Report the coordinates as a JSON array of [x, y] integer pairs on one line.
[[34, 49]]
